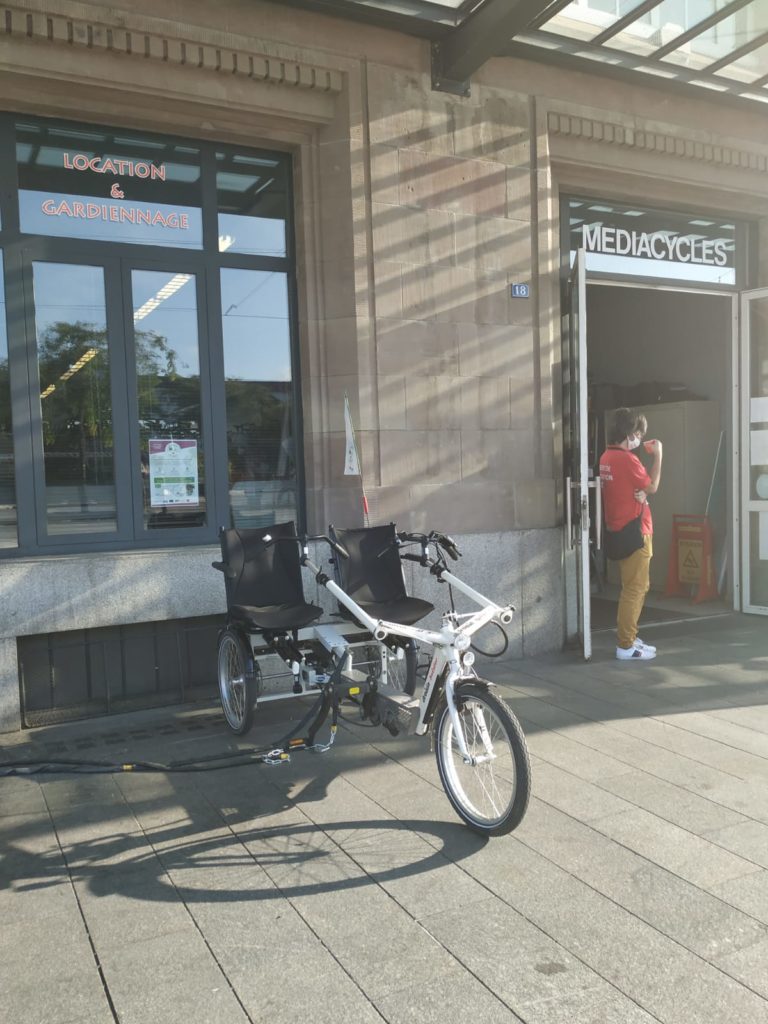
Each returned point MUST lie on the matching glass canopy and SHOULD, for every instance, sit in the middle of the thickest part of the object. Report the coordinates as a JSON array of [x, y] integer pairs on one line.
[[720, 45]]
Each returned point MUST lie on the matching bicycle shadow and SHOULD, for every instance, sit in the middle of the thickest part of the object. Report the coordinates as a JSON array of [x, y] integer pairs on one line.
[[252, 864]]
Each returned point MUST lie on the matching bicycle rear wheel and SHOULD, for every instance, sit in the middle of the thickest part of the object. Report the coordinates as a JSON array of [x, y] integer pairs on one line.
[[490, 795], [238, 681]]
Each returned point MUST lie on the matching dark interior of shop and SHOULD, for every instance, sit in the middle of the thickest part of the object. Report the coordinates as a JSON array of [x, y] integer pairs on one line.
[[668, 354]]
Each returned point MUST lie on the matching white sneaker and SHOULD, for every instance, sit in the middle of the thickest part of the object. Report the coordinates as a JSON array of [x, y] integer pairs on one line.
[[642, 643], [635, 653]]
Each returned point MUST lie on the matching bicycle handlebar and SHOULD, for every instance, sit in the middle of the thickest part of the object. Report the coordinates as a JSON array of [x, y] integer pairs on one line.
[[442, 540], [269, 541]]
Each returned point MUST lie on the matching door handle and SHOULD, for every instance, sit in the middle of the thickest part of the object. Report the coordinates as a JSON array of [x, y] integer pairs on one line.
[[568, 512], [599, 513]]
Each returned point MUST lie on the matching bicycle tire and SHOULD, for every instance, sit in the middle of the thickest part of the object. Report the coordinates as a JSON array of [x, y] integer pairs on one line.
[[492, 797], [238, 681]]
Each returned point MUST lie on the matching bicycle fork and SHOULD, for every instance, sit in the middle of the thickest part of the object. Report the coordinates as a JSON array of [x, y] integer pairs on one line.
[[453, 675]]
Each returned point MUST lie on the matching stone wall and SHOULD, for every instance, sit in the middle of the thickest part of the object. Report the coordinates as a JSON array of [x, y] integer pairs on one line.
[[415, 211]]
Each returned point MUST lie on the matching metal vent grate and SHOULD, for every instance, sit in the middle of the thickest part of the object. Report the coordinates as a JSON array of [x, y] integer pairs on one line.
[[89, 672]]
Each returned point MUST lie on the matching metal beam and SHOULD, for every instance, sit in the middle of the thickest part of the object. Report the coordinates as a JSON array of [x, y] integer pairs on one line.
[[628, 19], [549, 12], [628, 68], [414, 18], [470, 45], [729, 58]]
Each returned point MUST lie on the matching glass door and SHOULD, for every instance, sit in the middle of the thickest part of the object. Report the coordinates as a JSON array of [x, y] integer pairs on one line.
[[754, 451], [575, 409], [76, 417], [169, 433]]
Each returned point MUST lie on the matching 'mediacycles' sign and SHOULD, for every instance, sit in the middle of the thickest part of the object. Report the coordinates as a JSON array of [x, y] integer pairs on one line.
[[631, 241], [660, 245]]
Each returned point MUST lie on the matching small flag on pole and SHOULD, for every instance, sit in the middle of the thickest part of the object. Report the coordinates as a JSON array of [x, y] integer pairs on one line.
[[351, 458]]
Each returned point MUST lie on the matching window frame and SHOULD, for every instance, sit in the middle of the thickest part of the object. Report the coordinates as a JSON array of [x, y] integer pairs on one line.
[[118, 259]]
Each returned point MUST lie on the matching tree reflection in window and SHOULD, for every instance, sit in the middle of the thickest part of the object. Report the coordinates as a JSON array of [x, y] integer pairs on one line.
[[263, 485], [75, 398], [7, 476]]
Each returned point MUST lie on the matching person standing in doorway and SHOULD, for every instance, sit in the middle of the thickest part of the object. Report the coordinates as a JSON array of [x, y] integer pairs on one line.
[[626, 485]]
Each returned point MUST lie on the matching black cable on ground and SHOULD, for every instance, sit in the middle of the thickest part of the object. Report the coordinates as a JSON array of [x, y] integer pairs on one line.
[[272, 755]]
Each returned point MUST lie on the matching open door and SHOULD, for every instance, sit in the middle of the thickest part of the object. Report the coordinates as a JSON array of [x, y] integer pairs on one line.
[[754, 451], [575, 409]]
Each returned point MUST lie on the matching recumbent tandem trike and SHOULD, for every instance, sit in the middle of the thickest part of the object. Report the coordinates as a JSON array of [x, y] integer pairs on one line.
[[367, 654]]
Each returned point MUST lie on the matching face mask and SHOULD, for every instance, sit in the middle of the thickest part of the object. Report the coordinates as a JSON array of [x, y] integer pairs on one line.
[[633, 442]]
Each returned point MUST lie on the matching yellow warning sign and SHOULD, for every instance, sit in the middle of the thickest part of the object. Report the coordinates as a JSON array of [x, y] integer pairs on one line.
[[689, 560]]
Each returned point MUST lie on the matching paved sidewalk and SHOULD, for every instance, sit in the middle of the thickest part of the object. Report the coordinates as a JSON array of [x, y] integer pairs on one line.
[[342, 888]]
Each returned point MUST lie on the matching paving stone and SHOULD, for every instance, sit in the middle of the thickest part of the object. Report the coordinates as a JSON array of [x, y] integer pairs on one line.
[[748, 796], [178, 984], [581, 799], [541, 981], [667, 981], [391, 956], [39, 896], [21, 796], [120, 912], [748, 965], [689, 811], [564, 752], [68, 998], [694, 858], [749, 893], [748, 839], [449, 999], [93, 822], [697, 920], [65, 792], [282, 989], [742, 741]]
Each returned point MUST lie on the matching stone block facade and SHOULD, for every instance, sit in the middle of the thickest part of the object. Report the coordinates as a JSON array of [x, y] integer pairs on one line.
[[414, 213]]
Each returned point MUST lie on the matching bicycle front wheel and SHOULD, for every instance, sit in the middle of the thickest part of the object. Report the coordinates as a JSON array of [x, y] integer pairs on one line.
[[491, 794]]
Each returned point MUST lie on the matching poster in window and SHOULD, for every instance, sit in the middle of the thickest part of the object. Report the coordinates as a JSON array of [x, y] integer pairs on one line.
[[173, 473]]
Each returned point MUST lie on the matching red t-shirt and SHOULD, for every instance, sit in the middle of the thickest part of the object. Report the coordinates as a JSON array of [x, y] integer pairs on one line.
[[622, 473]]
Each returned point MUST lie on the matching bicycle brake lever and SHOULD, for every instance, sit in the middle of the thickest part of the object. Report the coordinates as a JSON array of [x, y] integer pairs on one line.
[[449, 545]]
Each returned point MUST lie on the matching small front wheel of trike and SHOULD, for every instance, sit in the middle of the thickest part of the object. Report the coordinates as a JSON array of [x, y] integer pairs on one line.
[[490, 794], [238, 681]]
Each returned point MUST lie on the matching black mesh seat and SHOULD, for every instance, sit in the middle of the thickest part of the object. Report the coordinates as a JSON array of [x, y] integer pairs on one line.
[[264, 586], [373, 575]]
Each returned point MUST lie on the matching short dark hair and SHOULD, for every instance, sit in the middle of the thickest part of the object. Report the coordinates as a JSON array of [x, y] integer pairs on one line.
[[625, 422]]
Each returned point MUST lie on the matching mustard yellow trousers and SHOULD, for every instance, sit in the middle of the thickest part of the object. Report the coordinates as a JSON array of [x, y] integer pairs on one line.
[[635, 581]]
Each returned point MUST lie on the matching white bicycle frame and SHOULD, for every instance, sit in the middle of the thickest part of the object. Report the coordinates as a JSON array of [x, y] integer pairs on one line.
[[451, 647]]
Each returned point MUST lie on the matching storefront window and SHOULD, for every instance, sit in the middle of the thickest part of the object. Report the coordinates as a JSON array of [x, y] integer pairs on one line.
[[253, 204], [257, 377], [7, 476], [168, 384], [143, 384], [75, 398], [108, 187]]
